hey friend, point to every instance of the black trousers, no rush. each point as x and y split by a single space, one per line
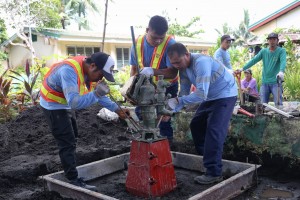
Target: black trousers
63 126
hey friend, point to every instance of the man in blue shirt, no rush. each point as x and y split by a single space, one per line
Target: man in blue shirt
217 92
152 59
222 53
67 87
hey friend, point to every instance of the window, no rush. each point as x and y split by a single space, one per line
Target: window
122 57
81 51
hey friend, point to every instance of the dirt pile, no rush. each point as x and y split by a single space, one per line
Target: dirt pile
28 150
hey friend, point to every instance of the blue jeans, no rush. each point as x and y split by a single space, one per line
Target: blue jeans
267 89
165 128
209 128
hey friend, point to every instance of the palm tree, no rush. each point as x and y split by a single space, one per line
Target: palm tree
77 10
242 34
226 30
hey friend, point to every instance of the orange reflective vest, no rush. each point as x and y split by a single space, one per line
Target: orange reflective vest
51 95
157 54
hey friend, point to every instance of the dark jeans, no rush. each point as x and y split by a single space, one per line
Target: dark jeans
250 98
63 126
165 128
209 128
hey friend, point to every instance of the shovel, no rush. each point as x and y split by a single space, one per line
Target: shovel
241 96
279 83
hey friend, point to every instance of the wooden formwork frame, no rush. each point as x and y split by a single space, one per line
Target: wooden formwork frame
244 177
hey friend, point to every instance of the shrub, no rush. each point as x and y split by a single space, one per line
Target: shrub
121 77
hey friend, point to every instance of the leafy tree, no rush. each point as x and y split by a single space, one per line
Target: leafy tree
20 14
3 37
3 34
226 30
77 11
183 30
242 34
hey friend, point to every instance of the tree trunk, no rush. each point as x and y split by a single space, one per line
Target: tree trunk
104 26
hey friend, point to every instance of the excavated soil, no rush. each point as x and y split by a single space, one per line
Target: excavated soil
28 150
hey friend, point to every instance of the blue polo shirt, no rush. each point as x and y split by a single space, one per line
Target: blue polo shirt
211 79
224 57
148 51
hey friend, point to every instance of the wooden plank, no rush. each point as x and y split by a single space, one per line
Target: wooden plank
224 190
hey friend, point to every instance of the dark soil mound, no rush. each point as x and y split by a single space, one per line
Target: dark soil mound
28 150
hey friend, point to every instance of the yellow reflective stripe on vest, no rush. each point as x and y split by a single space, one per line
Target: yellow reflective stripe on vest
139 50
158 53
52 96
82 87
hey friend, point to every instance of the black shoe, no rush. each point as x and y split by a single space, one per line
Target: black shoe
206 179
80 182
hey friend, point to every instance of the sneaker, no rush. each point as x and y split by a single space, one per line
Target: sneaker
207 179
80 182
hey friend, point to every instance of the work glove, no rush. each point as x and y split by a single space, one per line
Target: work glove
280 75
172 103
148 71
123 113
101 89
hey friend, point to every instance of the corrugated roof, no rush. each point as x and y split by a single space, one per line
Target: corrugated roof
275 15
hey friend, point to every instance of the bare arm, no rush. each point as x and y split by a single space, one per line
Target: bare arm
133 70
169 73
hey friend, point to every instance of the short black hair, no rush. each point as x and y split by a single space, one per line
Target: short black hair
177 48
158 24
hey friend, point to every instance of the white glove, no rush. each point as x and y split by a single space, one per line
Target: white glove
172 103
148 71
280 75
101 89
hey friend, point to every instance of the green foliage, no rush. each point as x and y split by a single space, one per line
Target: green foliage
120 77
226 30
291 83
3 34
3 37
184 30
48 11
26 82
238 56
5 101
242 34
213 49
77 10
291 59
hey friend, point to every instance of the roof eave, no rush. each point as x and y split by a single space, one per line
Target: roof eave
274 15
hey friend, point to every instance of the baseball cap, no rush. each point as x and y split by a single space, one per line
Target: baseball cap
272 35
248 71
226 37
105 63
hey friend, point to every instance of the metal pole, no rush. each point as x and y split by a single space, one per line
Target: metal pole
29 30
134 48
105 23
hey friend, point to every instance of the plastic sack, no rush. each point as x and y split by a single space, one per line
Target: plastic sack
107 115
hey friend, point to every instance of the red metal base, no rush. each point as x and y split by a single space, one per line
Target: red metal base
150 169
